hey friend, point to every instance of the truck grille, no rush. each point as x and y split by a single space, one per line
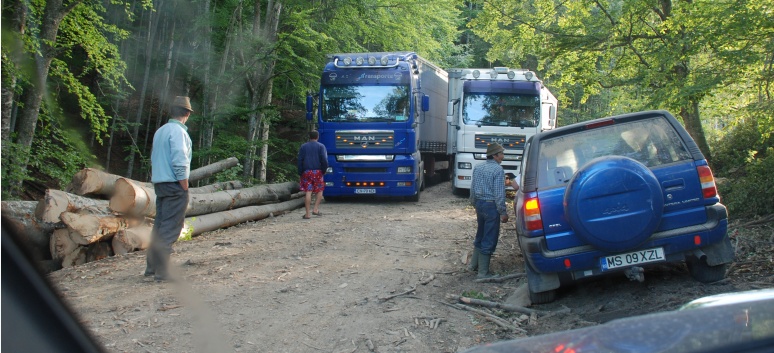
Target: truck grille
367 139
510 142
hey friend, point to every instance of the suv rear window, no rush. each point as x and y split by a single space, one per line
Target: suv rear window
652 142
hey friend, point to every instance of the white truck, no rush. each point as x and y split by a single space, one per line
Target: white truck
489 105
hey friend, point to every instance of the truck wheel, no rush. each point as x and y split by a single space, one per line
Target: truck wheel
414 198
704 273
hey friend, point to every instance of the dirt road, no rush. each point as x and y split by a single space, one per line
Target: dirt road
366 276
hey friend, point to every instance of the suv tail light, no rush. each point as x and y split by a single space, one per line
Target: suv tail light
708 188
532 214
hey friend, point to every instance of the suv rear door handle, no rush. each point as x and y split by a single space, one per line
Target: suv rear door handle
673 185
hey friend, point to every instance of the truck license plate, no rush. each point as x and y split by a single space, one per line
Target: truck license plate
632 258
365 191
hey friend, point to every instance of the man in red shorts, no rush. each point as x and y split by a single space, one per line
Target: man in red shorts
312 163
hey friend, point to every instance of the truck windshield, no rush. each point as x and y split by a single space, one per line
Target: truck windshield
498 109
365 103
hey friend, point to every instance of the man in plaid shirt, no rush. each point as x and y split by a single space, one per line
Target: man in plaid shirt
487 194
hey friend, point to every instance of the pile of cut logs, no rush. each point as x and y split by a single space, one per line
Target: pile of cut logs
101 214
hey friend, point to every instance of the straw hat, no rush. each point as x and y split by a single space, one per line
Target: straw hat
493 149
183 102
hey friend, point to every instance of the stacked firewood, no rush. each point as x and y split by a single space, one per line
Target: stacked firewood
101 214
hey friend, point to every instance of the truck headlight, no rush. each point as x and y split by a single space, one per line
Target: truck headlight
404 170
464 165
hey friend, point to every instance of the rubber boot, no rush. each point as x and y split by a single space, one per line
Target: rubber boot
161 257
473 263
483 266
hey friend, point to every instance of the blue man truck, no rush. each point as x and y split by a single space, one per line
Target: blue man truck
489 105
382 118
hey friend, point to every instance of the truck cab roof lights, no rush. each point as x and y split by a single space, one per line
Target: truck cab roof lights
511 75
493 74
528 75
352 61
476 73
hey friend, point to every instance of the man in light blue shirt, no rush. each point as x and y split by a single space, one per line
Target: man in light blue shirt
170 168
487 194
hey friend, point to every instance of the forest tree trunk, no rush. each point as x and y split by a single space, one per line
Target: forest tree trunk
32 99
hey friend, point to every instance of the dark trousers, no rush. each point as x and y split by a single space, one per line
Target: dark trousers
488 231
171 203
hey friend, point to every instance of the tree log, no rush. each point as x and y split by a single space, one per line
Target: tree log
55 202
226 185
90 181
61 244
138 238
131 239
234 199
212 169
224 219
136 200
19 217
88 228
133 199
75 258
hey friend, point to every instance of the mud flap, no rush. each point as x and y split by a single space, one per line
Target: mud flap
717 254
541 282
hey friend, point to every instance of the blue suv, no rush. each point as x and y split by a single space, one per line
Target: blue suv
615 195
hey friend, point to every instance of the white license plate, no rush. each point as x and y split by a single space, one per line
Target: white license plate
365 191
632 258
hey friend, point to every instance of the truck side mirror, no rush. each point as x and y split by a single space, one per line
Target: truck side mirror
309 107
425 103
450 112
552 116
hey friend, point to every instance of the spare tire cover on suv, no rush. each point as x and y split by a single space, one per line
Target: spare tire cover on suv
614 203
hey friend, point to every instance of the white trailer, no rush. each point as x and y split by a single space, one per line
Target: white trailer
500 105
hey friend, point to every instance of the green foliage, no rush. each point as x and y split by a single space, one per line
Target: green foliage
743 159
751 194
426 27
188 231
12 170
58 161
57 153
230 174
473 295
282 158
